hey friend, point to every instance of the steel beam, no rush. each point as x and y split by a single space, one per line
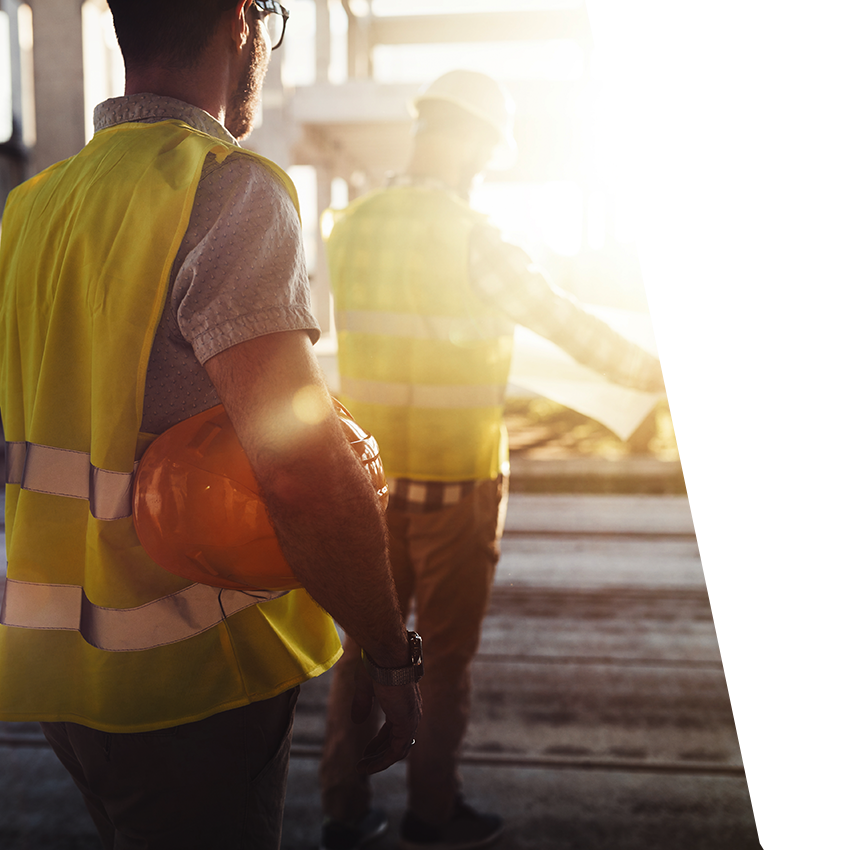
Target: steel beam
532 25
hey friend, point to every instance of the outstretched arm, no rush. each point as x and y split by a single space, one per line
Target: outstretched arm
503 275
322 505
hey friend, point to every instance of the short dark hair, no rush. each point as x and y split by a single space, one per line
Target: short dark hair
172 33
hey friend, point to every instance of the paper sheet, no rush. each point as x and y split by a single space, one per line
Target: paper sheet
540 367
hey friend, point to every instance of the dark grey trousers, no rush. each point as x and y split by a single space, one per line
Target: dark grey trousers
216 783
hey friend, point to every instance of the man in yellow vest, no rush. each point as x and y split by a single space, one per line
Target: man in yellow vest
426 296
155 274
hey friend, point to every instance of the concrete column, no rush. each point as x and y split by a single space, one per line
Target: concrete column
320 283
323 40
58 71
273 138
359 44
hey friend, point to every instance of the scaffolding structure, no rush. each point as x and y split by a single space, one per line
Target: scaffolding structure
350 126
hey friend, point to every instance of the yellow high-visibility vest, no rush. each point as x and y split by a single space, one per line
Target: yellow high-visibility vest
91 630
423 361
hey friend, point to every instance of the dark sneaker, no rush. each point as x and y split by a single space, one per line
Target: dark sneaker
466 830
338 836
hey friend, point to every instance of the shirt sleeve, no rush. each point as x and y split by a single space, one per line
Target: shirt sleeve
504 276
244 274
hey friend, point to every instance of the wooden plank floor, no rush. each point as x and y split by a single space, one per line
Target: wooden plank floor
600 712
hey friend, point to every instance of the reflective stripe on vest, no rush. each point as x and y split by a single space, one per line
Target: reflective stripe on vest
61 472
418 326
434 396
169 619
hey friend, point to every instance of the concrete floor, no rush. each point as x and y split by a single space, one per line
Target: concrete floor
600 715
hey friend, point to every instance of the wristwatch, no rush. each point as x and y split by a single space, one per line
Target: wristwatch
406 675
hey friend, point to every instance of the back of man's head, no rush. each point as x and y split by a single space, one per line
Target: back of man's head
169 33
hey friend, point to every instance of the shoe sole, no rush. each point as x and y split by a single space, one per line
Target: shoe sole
367 839
475 844
375 834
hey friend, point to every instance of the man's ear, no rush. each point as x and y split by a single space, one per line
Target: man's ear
240 28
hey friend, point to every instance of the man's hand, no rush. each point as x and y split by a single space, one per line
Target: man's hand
402 707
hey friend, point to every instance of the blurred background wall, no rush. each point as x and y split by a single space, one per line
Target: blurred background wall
335 114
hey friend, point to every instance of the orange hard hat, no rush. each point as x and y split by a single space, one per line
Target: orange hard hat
198 511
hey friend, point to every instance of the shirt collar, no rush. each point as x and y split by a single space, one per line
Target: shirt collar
149 108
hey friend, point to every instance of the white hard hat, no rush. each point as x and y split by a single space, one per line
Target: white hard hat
480 96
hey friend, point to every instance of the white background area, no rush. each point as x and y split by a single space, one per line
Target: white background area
735 138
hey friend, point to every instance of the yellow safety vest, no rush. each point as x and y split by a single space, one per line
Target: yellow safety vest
423 361
92 630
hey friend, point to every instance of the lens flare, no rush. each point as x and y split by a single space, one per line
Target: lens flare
310 405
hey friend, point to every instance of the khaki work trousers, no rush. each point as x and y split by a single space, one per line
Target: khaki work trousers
443 563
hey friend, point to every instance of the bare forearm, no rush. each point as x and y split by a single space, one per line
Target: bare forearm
321 502
331 529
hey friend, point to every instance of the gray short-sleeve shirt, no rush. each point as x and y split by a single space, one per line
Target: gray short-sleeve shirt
239 272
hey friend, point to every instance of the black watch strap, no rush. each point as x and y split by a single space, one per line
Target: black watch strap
406 675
